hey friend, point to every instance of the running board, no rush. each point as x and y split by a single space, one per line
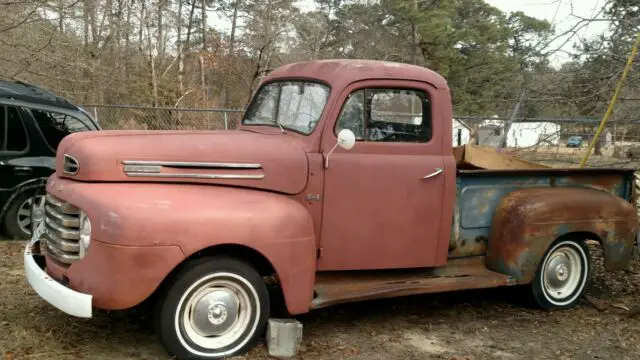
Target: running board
337 287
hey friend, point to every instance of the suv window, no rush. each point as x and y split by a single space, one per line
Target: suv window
55 126
389 115
13 136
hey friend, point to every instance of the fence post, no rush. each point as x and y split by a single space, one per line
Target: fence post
226 121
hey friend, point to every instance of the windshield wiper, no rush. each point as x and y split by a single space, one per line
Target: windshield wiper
280 126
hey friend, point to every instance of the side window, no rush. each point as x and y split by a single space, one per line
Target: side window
55 126
13 137
387 115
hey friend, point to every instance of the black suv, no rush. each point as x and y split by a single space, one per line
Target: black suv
32 123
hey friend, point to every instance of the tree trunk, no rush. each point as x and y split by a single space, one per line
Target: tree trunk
202 80
231 54
204 25
61 17
85 24
180 51
150 59
203 83
160 35
414 38
597 149
190 24
127 41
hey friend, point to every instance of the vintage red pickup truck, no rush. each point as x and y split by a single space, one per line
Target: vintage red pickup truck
341 181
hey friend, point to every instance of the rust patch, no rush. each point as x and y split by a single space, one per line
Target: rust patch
470 247
527 221
609 183
466 273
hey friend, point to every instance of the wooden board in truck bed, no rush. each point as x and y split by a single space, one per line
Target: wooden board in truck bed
473 157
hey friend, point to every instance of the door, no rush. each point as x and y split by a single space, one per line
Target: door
16 170
16 167
383 198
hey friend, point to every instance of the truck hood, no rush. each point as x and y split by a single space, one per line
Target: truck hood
236 158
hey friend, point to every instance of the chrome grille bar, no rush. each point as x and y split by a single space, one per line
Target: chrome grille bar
63 219
62 235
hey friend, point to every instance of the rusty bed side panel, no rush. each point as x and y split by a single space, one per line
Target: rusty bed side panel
527 221
479 193
349 286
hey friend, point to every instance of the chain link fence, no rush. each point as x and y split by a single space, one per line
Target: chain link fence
132 117
555 141
552 141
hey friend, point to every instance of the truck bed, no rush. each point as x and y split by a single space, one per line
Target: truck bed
479 193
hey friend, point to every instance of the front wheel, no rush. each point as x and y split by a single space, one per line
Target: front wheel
214 308
563 275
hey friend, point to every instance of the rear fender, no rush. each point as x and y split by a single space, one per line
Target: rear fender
528 221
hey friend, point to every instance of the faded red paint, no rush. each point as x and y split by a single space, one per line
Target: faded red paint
527 221
378 211
283 160
370 209
162 215
106 273
466 273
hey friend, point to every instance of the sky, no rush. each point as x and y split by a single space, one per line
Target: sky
562 15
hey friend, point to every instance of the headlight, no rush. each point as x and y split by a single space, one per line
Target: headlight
85 234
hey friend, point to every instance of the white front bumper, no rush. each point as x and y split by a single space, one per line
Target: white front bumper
71 302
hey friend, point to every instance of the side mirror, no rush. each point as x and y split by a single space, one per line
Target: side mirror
346 140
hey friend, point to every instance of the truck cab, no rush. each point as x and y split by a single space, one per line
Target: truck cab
340 182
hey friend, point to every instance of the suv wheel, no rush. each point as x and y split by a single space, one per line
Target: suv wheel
17 220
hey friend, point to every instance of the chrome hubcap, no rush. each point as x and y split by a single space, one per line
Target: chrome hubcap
215 312
562 273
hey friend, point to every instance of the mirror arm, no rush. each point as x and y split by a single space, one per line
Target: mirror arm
326 158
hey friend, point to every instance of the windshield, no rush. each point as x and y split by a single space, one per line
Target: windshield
294 105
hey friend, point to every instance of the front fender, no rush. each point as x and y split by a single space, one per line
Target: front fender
528 221
196 217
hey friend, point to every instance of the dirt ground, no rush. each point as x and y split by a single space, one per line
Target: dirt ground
488 324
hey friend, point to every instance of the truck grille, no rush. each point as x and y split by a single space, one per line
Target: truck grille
62 235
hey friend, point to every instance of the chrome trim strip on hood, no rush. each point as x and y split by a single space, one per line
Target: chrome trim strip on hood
143 168
196 176
187 164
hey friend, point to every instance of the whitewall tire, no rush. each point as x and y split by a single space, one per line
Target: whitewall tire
563 275
214 308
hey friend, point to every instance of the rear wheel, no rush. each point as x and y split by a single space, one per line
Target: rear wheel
563 275
214 308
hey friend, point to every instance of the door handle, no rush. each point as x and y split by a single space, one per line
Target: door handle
437 172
